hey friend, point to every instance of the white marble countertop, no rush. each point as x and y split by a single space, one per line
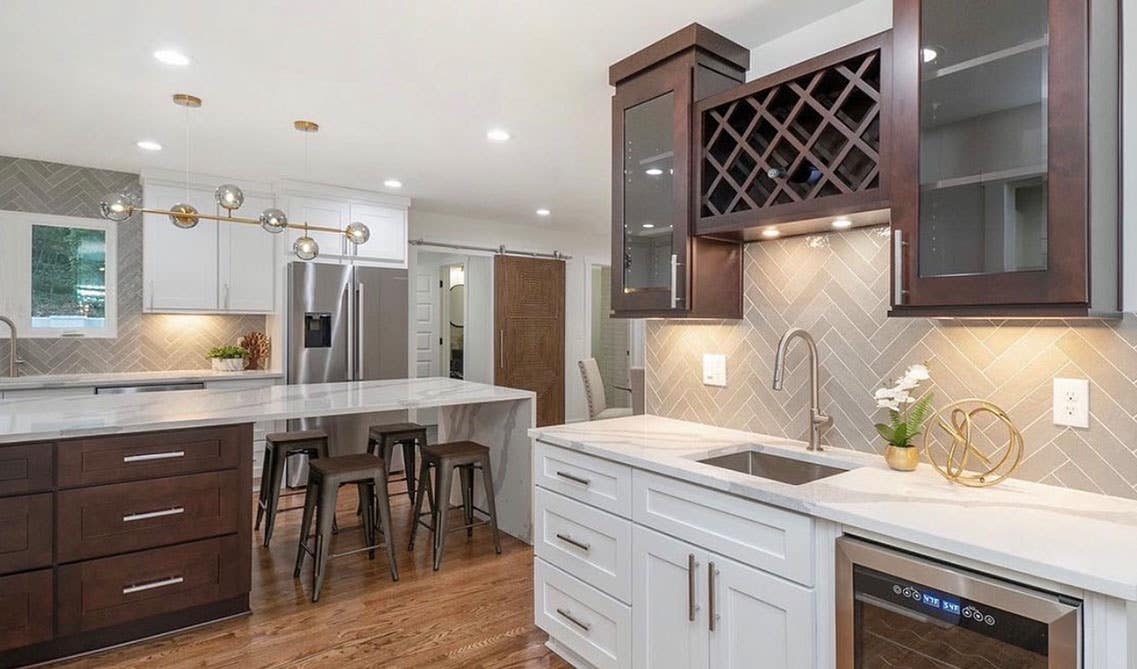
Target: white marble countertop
1080 539
38 418
45 381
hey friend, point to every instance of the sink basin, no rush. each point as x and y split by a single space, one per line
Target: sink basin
769 466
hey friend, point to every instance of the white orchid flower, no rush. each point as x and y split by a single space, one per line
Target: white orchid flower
918 373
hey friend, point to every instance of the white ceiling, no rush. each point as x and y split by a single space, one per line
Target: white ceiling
400 89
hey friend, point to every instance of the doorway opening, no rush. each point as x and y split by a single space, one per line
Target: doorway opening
610 340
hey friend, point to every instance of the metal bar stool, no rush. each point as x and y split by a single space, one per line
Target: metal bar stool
466 456
279 446
325 476
382 439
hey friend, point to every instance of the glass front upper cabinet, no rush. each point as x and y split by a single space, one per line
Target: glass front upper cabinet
996 160
649 197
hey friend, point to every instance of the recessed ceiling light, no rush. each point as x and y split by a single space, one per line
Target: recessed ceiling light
653 171
842 223
648 226
149 145
171 57
393 183
498 135
929 54
543 212
771 233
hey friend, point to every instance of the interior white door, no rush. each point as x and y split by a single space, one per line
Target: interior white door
425 317
247 258
669 622
758 615
179 265
388 242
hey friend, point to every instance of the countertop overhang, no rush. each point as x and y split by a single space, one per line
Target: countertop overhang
49 381
36 419
1080 539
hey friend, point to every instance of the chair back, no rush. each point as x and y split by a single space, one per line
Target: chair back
593 387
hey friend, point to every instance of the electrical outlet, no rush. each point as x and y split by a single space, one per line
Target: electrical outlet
714 369
1072 402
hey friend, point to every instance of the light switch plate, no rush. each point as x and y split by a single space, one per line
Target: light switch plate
714 369
1072 402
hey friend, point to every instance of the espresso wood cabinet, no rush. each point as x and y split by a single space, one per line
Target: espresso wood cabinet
660 269
1005 170
106 540
800 146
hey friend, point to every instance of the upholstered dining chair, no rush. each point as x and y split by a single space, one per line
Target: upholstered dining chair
594 392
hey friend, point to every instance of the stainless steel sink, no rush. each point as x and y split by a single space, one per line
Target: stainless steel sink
776 467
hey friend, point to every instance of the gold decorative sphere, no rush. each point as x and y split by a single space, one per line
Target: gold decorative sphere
973 443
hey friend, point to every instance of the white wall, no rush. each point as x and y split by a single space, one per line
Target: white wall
870 17
576 242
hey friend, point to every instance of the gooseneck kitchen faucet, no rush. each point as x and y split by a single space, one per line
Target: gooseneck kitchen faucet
817 420
13 361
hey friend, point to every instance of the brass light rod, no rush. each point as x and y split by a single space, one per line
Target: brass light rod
232 219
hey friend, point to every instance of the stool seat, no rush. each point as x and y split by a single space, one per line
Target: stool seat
455 449
344 467
396 430
294 437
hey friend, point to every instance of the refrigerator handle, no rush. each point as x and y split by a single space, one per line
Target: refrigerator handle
349 309
359 324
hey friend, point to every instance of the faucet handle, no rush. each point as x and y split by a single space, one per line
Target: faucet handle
819 418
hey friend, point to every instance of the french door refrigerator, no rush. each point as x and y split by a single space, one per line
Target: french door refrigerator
345 323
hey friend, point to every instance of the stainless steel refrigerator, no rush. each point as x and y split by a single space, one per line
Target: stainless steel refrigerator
345 323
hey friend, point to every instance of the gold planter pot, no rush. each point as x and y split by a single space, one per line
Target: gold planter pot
902 458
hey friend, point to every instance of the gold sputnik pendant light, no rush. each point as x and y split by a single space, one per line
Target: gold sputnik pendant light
120 206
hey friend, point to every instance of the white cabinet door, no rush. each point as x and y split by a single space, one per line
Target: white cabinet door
179 265
247 258
388 242
758 615
322 212
669 586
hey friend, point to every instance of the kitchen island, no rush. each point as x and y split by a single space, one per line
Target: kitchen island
126 516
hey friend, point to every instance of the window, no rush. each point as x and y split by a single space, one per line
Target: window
57 275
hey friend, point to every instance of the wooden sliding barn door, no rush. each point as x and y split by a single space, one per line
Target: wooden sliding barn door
529 319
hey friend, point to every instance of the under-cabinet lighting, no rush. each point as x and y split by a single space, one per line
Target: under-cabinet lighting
842 224
771 233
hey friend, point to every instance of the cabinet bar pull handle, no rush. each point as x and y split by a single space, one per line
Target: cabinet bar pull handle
173 511
898 245
674 280
569 540
501 348
152 584
574 479
574 620
167 455
359 316
345 299
691 606
711 595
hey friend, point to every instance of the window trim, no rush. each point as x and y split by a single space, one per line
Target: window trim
16 273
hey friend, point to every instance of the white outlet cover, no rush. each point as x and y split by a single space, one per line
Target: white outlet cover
714 369
1072 402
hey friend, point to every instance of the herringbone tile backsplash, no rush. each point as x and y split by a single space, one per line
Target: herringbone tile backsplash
836 286
144 342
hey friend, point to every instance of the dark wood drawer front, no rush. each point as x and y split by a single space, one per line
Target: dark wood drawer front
25 609
93 461
26 468
110 519
110 591
25 539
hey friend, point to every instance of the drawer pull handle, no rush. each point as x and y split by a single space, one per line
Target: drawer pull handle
692 607
574 620
172 511
139 587
145 457
574 479
569 540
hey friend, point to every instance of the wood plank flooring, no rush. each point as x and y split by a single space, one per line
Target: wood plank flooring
476 612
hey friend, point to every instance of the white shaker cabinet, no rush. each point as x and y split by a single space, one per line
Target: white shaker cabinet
321 212
388 242
335 207
179 265
247 257
669 619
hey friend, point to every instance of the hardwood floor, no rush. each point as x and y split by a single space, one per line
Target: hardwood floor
476 612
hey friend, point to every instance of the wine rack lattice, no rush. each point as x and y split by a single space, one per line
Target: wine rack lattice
814 136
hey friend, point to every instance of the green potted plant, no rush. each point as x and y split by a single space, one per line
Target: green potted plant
906 416
227 358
